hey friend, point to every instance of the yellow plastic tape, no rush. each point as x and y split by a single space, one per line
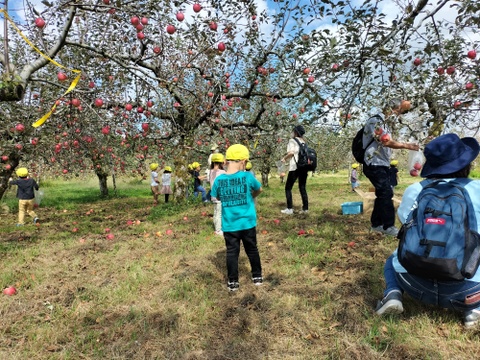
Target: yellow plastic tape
72 86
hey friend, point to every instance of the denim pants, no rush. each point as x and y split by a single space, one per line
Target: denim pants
446 294
383 211
301 175
232 242
201 190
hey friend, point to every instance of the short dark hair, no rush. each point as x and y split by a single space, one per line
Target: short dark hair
462 173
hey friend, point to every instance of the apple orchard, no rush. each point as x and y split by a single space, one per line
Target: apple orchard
161 81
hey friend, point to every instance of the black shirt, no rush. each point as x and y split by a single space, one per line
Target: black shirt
25 188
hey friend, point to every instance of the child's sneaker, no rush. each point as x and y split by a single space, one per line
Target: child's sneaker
287 211
472 318
390 304
257 281
18 225
35 220
233 285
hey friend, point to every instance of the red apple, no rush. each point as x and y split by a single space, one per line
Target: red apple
221 46
18 146
106 130
413 172
157 50
19 127
176 105
65 171
469 85
311 79
4 158
417 166
472 54
450 70
276 221
197 7
8 167
128 107
180 16
170 29
98 102
40 23
34 141
139 27
385 138
149 103
61 76
213 26
140 110
107 230
440 70
145 126
75 229
144 20
306 71
169 232
135 21
301 232
185 218
10 291
140 36
335 67
91 84
457 104
110 236
417 62
106 2
378 131
351 244
76 102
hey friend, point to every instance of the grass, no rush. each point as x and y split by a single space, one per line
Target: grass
148 295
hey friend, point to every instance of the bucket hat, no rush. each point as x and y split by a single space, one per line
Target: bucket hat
448 154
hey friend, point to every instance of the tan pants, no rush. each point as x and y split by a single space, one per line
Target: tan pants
25 206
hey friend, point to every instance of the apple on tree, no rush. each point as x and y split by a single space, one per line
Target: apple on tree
197 7
417 62
170 29
180 16
472 54
40 23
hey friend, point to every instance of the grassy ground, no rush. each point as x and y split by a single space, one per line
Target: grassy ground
148 295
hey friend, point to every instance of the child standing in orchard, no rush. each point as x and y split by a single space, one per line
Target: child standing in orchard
393 171
197 181
216 169
166 183
236 190
26 195
354 177
154 182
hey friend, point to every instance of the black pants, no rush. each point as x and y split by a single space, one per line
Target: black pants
383 211
301 175
232 242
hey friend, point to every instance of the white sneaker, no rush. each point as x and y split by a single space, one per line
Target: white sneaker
303 212
287 211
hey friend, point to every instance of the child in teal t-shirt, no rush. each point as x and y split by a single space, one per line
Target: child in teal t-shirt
236 189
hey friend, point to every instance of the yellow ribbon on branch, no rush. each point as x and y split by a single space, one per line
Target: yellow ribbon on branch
72 86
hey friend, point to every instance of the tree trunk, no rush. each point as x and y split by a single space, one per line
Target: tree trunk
5 174
102 181
11 91
265 171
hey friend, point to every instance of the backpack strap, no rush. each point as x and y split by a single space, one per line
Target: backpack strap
300 145
373 137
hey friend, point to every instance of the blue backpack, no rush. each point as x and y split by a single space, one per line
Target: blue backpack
439 239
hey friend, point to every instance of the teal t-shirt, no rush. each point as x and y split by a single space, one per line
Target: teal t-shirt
235 193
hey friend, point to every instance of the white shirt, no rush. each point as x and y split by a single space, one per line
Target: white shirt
294 148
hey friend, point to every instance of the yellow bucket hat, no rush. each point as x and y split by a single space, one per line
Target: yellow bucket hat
217 158
22 172
237 152
354 166
153 166
168 168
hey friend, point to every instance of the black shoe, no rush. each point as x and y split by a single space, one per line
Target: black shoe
390 304
257 281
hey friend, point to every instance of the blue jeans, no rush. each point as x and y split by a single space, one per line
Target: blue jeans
232 242
383 211
201 190
446 294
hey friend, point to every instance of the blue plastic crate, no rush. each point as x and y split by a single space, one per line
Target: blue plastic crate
352 208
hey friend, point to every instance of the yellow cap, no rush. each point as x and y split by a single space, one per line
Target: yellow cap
195 165
237 152
153 166
190 166
248 166
22 172
168 168
394 162
354 166
217 158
